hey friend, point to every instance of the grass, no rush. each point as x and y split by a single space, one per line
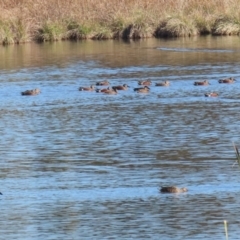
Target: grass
76 31
225 25
13 32
49 31
53 20
6 35
177 27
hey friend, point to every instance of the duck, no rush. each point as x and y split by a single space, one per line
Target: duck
203 83
1 193
212 94
91 88
227 80
102 90
103 83
144 89
145 82
111 91
32 92
163 84
173 189
121 87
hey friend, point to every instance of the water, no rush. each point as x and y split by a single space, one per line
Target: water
84 165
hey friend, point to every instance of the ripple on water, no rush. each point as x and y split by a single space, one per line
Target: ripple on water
90 165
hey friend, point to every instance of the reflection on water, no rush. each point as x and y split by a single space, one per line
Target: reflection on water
88 165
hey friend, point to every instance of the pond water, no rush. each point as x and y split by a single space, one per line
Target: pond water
86 165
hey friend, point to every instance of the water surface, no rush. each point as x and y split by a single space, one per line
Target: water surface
84 165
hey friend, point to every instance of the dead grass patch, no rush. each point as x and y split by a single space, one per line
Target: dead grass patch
225 25
176 27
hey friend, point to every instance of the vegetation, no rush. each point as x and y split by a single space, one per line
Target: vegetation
237 154
226 229
51 20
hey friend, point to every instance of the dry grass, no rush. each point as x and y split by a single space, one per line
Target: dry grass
50 20
226 26
176 27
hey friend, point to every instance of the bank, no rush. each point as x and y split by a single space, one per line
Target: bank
54 20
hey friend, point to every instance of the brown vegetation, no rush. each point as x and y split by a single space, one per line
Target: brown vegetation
51 20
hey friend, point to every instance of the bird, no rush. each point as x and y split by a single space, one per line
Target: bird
163 84
173 189
91 88
111 91
144 89
32 92
212 94
203 83
145 82
121 87
102 90
103 83
227 80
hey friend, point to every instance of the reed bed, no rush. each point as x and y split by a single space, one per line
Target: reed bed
53 20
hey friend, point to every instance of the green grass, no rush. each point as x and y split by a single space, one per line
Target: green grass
6 35
77 31
50 31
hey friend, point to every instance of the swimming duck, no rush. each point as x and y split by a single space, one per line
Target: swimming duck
144 89
123 87
212 94
32 92
227 80
163 84
91 88
102 90
103 83
172 189
145 82
111 91
203 83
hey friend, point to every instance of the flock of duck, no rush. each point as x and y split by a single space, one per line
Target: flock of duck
145 86
144 89
115 89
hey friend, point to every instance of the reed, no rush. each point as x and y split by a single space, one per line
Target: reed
226 229
237 154
6 36
52 20
13 32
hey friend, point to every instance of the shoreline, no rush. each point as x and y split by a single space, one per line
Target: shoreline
53 20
